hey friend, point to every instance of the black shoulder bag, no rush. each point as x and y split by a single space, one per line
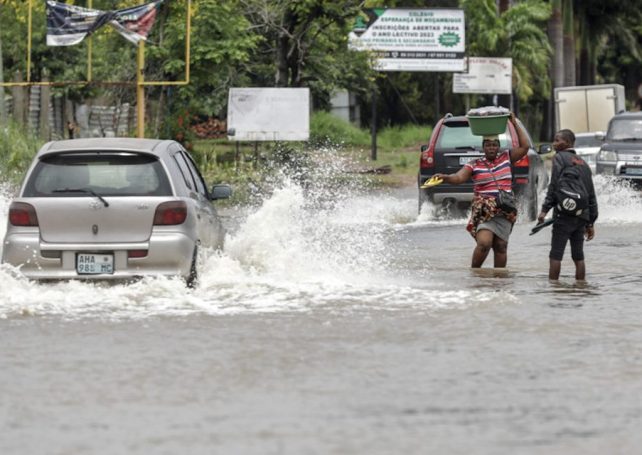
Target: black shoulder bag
506 201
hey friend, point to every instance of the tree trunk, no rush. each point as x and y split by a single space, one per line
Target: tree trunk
569 44
19 95
45 100
504 100
557 43
584 76
281 79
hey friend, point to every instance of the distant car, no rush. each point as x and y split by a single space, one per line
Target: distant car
112 208
587 145
621 153
453 144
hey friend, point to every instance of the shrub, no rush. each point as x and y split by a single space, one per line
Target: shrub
17 148
403 136
327 128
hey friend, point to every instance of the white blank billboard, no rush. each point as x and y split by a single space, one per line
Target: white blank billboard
268 114
486 75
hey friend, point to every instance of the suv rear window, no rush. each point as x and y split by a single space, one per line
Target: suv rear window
458 135
107 174
587 141
625 129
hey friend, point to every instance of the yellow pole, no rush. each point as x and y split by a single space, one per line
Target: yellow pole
89 48
29 43
188 32
140 90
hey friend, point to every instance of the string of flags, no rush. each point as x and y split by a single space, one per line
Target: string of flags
68 24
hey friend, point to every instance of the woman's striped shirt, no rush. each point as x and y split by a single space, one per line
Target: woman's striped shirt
483 180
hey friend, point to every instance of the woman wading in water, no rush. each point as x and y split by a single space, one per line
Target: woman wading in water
490 226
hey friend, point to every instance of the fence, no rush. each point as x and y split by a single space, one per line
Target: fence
55 117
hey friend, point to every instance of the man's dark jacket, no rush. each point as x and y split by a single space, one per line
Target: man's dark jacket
561 160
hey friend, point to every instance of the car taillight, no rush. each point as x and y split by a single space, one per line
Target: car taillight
22 214
136 253
169 213
522 163
427 159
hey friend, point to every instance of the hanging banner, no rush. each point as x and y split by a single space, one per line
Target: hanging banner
411 39
135 23
68 24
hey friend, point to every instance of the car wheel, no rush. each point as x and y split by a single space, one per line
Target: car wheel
192 279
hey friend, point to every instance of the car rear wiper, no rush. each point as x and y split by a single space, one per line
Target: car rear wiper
629 139
82 190
466 147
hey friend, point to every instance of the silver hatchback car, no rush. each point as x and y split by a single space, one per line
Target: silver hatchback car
112 208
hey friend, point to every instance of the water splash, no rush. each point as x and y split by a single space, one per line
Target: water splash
317 238
618 201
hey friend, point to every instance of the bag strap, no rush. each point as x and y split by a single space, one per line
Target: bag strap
492 175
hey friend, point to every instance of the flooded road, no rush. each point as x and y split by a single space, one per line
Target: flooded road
352 327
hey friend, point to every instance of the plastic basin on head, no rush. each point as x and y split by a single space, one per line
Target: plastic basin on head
487 124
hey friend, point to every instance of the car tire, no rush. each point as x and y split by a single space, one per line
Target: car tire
192 279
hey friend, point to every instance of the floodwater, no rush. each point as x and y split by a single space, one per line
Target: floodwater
351 326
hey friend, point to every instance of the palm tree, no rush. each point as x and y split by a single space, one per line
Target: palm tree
568 27
517 33
603 27
557 41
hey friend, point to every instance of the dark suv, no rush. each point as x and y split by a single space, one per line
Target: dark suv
452 145
621 152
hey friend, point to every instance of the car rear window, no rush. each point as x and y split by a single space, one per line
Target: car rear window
107 174
458 135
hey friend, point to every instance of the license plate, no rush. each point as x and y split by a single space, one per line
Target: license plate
465 159
634 170
92 264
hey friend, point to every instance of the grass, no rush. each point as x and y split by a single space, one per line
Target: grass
397 151
17 148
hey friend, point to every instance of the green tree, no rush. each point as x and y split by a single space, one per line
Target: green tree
610 30
305 44
517 33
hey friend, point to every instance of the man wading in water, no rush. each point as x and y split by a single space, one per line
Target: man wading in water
578 224
490 226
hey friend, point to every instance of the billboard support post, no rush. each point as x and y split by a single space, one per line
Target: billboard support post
373 127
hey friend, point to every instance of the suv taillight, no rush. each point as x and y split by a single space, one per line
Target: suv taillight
22 214
427 159
170 213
